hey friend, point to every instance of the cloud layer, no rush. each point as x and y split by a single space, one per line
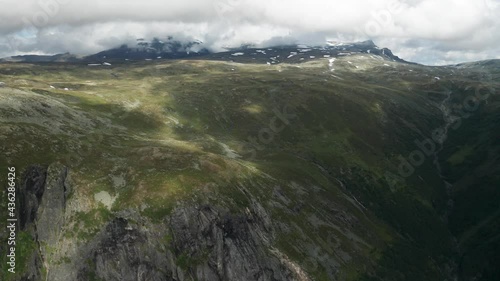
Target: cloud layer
425 31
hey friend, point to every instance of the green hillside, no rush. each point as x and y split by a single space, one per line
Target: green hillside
336 169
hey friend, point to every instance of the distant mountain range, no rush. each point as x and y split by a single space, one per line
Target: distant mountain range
175 49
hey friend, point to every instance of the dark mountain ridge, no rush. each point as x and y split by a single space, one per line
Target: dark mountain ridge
175 49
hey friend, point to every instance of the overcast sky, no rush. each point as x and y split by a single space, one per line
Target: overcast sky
431 32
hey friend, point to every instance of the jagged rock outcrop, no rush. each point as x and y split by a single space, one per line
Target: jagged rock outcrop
50 215
42 200
226 246
193 243
30 194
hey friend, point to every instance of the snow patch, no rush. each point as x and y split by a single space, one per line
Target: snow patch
333 43
175 120
104 198
131 105
228 152
330 64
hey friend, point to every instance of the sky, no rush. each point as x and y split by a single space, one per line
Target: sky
432 32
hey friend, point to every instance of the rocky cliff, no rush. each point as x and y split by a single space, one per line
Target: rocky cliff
193 243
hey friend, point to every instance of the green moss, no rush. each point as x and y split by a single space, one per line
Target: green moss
183 261
187 262
91 271
158 213
461 155
167 239
88 224
25 249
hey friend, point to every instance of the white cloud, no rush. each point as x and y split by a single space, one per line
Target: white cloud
427 31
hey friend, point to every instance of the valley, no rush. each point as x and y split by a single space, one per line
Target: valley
244 167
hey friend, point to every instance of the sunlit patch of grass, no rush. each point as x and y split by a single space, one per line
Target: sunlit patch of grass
253 108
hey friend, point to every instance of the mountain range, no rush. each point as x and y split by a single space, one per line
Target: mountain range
175 49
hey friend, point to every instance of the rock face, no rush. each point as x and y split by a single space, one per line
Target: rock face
30 195
42 196
233 246
193 243
50 215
